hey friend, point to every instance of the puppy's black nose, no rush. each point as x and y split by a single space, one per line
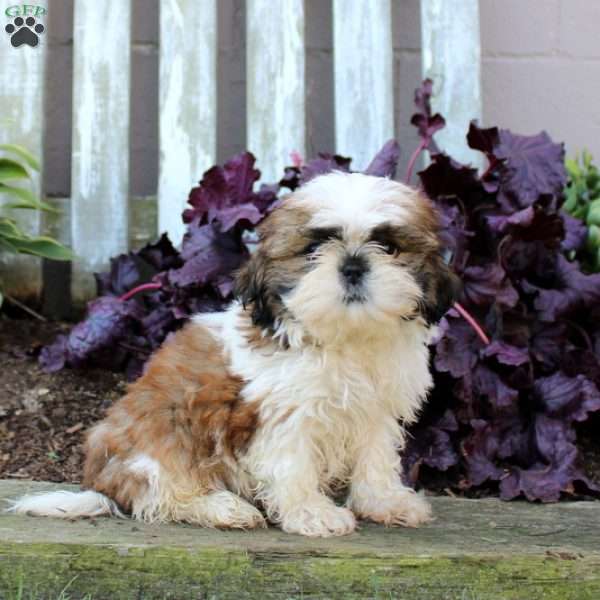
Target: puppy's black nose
353 269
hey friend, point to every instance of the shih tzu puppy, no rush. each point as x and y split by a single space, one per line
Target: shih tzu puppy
303 386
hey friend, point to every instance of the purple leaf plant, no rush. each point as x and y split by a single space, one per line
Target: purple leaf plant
503 416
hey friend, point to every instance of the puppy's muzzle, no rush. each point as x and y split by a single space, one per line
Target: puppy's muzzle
353 270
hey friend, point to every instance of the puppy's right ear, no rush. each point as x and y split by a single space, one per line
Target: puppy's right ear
252 290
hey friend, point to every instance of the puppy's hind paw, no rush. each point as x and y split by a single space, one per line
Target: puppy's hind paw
223 510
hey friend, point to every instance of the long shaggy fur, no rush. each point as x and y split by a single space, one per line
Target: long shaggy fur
300 389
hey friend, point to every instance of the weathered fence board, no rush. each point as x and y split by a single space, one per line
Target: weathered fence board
21 122
100 155
188 104
452 59
363 86
276 83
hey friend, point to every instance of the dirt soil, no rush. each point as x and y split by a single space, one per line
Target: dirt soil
43 416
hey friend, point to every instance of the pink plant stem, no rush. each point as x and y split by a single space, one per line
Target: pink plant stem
472 322
140 288
413 159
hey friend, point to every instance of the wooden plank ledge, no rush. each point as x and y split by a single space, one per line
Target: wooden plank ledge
475 549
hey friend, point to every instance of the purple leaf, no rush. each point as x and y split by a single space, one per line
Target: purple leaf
484 140
574 290
445 178
557 469
506 354
480 451
484 382
547 344
575 233
208 254
456 352
226 195
54 356
325 163
386 160
124 274
533 166
484 285
532 224
427 124
161 255
571 398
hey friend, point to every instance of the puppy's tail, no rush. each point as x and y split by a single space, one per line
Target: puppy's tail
66 505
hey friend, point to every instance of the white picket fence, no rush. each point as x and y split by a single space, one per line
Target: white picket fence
363 84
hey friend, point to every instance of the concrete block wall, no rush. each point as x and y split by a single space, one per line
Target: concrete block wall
540 70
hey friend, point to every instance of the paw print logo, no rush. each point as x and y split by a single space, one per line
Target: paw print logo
24 31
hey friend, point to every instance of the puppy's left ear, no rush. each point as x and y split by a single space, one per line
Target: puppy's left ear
252 290
441 288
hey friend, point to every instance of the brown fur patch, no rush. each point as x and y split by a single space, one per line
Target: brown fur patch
276 265
424 215
439 283
185 412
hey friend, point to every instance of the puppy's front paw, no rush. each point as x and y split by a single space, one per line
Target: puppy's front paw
319 521
405 508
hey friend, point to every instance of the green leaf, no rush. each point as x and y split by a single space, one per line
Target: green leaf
42 246
26 199
593 216
7 246
593 240
23 154
8 228
572 168
10 169
571 199
593 179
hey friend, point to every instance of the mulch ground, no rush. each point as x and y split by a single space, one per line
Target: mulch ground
43 416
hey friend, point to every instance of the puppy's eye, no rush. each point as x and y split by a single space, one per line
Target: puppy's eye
320 236
312 247
390 248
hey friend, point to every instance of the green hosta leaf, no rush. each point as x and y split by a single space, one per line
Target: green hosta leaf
571 199
572 168
6 246
11 170
8 228
23 154
593 180
581 212
593 215
593 239
42 246
26 199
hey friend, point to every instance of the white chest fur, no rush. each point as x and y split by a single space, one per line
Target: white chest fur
326 401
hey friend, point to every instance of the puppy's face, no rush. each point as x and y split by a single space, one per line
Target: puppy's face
347 252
